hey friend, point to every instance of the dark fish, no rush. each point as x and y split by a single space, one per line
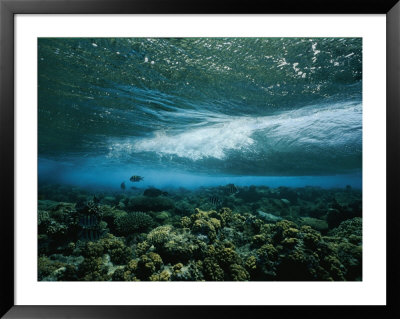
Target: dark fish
231 189
123 185
135 178
88 221
93 221
215 200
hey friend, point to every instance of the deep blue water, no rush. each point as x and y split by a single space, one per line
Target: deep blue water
200 111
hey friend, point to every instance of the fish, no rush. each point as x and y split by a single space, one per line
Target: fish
90 234
215 200
136 178
123 185
231 189
88 221
89 228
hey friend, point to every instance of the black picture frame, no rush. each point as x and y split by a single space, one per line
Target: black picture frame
8 8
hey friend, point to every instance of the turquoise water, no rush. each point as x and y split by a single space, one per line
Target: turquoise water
200 111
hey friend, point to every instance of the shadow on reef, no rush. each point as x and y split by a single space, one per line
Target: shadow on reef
254 233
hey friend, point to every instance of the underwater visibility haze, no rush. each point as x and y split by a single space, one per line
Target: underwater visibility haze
199 158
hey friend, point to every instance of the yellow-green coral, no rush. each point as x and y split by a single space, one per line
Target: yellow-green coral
239 273
290 232
297 255
215 222
132 265
177 250
311 237
349 227
159 236
226 256
199 214
211 250
285 224
93 269
177 267
258 240
47 267
156 258
93 249
163 276
268 251
206 223
126 273
206 227
225 215
334 267
147 265
141 248
211 270
251 263
115 247
186 222
120 255
290 242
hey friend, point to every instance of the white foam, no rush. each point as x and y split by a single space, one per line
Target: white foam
328 126
212 141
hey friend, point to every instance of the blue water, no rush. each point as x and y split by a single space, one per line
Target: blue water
200 111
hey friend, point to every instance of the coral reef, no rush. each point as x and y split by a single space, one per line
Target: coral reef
301 234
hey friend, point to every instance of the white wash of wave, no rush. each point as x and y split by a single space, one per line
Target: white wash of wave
311 128
211 141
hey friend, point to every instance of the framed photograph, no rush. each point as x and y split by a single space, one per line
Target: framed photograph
167 159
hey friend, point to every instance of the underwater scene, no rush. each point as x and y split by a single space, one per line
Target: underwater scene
199 159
